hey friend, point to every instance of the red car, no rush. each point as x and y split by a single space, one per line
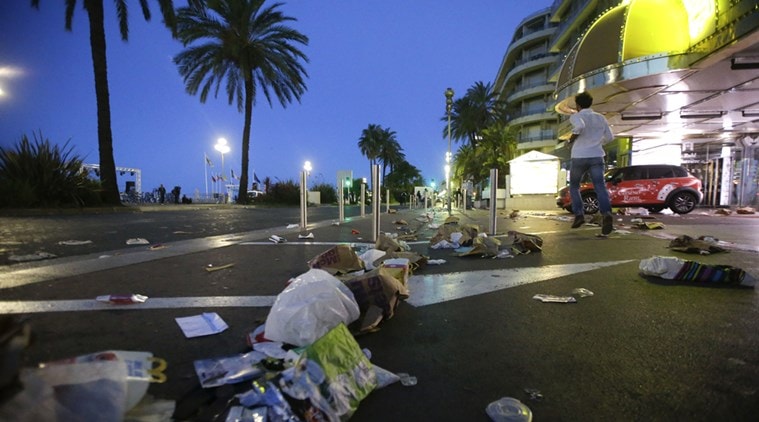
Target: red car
653 187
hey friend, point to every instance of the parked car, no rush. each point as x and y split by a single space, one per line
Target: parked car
653 187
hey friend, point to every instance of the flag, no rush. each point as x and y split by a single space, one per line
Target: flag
208 160
213 178
255 178
232 172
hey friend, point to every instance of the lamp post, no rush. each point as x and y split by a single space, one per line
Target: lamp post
223 148
304 194
448 108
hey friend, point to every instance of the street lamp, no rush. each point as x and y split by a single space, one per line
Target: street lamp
223 148
448 108
304 194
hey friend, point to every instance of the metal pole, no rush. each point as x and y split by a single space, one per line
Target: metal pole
387 201
205 171
448 157
363 199
375 202
303 201
341 200
493 198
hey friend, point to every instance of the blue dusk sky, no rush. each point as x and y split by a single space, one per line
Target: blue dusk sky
385 62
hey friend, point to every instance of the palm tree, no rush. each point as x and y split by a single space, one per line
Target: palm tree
247 46
476 110
391 151
370 143
94 8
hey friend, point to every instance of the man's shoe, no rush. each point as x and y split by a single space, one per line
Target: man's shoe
579 221
607 226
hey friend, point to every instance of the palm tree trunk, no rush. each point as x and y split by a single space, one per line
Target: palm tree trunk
249 93
110 190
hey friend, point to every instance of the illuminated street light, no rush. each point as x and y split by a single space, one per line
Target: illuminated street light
223 148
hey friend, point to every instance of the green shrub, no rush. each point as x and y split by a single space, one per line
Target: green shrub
281 193
39 174
328 193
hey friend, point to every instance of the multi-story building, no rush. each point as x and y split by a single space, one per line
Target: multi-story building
676 79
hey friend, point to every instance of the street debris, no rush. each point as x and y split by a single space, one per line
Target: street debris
74 242
98 386
533 394
582 292
508 409
673 268
554 299
137 241
523 243
215 372
745 210
406 379
201 325
309 307
210 268
157 246
37 256
436 261
306 236
277 239
338 260
293 226
122 299
651 225
703 245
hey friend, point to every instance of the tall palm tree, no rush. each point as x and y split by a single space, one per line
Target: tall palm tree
370 143
247 46
390 152
476 110
94 8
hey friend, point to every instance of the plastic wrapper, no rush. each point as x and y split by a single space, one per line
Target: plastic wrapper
310 306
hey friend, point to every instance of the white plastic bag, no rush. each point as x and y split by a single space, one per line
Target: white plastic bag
314 303
665 267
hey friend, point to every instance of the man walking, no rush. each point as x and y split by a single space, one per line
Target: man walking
590 132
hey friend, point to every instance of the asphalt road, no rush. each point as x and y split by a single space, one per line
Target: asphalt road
640 348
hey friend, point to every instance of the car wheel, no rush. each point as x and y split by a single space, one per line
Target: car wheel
682 202
655 210
590 203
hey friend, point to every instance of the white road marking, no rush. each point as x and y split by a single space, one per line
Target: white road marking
30 307
436 288
424 290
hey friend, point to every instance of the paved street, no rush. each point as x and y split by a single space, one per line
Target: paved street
640 348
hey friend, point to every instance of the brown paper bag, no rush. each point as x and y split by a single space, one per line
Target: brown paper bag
341 259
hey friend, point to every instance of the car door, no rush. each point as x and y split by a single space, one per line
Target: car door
628 186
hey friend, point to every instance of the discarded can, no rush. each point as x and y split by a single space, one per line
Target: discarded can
122 299
509 409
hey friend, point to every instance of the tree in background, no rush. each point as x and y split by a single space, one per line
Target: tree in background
248 47
370 143
475 111
94 9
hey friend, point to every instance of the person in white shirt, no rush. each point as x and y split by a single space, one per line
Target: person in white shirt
590 132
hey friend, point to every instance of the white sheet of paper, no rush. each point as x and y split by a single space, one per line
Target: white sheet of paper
201 325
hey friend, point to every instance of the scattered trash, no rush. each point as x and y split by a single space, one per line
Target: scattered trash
509 409
400 222
122 299
482 246
74 242
673 268
533 394
436 261
378 293
654 225
37 256
210 268
335 223
229 370
745 210
354 231
554 299
310 306
704 245
157 246
201 325
306 236
338 260
292 226
137 241
514 214
582 292
277 239
504 253
723 211
406 379
524 243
